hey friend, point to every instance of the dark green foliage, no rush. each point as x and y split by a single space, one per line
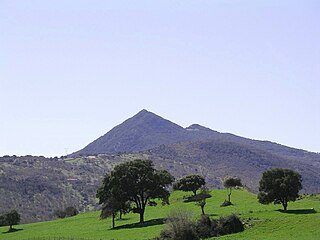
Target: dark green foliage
279 186
137 182
231 182
71 211
190 183
67 212
10 218
205 227
228 225
113 199
2 220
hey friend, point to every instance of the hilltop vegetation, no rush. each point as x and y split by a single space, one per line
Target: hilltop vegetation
261 221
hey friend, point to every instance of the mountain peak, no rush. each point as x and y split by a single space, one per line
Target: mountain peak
143 111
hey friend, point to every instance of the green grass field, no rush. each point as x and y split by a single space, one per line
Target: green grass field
264 222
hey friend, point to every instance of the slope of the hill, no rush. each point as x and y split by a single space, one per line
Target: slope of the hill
264 222
216 159
37 186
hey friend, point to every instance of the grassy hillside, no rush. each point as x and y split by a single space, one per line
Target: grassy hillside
264 222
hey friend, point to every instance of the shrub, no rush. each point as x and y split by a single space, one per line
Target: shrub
205 227
225 203
229 224
71 211
179 226
68 212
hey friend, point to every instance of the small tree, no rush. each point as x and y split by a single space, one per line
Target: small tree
201 198
229 183
11 218
279 186
190 183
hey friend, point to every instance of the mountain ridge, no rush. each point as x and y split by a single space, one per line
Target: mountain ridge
146 130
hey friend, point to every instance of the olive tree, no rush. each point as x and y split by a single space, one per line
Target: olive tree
280 186
190 183
229 183
11 218
137 182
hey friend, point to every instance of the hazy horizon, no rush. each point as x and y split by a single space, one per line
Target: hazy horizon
72 70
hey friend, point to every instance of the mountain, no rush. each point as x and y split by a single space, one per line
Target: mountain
143 131
198 147
147 130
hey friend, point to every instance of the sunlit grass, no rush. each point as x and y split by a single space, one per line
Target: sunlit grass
265 222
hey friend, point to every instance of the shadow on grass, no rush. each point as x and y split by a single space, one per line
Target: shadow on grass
153 222
123 219
13 230
213 215
300 211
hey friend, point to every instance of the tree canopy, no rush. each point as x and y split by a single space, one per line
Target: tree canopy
10 218
113 199
229 183
136 182
279 186
190 183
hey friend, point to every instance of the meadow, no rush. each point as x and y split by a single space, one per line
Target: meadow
301 221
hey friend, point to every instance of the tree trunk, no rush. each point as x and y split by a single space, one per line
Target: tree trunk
141 215
120 217
113 219
10 228
194 192
285 205
202 209
229 195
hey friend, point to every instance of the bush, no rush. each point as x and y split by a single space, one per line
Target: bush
225 203
179 226
205 227
228 225
68 212
71 211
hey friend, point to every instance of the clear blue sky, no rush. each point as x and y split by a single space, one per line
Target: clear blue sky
72 70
